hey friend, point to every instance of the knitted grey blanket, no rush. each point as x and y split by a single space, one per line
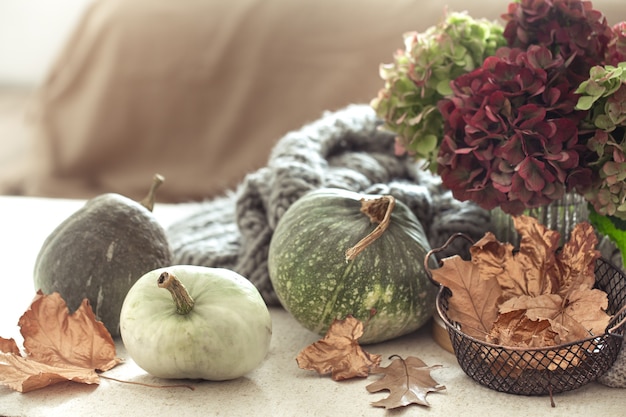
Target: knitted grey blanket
343 149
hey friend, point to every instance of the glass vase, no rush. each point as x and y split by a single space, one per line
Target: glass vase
560 215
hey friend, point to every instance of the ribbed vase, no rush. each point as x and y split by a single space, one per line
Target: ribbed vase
560 215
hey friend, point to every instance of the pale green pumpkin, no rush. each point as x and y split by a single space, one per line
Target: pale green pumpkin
216 328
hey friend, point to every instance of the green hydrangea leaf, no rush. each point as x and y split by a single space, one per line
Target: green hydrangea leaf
604 122
585 102
427 144
443 87
594 89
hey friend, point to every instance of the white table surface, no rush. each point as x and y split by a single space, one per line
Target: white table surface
277 388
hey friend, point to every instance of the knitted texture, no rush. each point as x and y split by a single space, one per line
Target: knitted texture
343 149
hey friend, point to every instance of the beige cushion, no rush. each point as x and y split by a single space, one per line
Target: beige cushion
200 90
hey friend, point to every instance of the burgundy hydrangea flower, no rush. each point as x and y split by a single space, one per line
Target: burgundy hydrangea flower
571 29
511 132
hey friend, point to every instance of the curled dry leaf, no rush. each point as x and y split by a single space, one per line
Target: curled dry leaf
408 381
59 346
536 256
339 352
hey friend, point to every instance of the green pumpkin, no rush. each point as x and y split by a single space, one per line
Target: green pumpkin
100 251
385 285
212 324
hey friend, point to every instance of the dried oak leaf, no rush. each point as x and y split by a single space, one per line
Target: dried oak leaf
59 346
474 300
339 352
408 381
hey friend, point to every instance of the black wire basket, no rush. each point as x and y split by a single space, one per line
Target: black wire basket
542 371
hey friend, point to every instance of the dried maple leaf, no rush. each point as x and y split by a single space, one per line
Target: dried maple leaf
495 260
537 255
9 346
339 352
408 381
24 375
576 318
474 300
532 270
515 329
60 346
53 336
547 297
577 259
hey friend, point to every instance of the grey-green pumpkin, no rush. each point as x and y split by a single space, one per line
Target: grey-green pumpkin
100 251
385 286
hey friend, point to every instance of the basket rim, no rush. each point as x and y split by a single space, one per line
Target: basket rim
450 326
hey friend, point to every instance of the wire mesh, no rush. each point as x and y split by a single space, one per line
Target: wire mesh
547 370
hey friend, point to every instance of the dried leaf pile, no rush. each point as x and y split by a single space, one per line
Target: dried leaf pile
532 298
59 346
340 355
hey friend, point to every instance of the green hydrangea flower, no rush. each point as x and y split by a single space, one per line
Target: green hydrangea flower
604 95
420 76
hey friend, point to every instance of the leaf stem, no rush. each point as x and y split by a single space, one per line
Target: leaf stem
148 385
379 211
184 302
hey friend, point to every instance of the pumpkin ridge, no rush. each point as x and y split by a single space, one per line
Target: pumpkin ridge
337 294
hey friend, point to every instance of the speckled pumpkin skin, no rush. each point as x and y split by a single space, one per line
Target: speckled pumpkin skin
316 284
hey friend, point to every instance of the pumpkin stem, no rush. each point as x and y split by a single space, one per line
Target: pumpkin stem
379 211
148 201
184 302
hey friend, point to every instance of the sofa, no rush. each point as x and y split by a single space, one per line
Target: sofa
201 90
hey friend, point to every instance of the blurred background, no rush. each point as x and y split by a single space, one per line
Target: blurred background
98 95
31 34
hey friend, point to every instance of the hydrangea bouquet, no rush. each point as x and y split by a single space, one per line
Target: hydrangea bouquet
516 116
